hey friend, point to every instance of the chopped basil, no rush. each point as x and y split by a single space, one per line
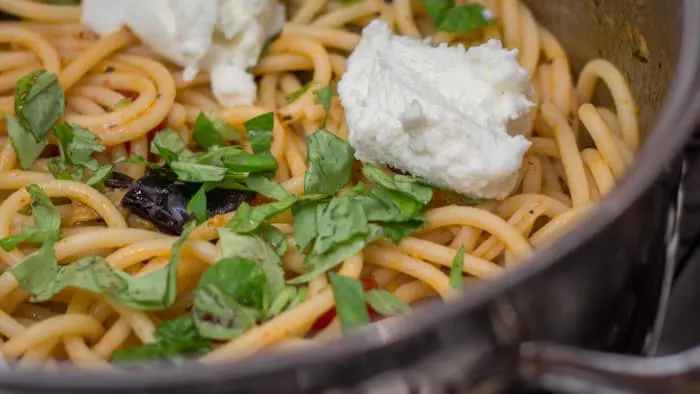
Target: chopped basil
386 303
24 144
43 277
259 131
174 340
255 249
193 172
281 301
463 19
212 130
409 186
350 302
305 219
39 102
197 206
248 219
330 163
456 278
274 237
323 97
229 299
76 146
47 222
294 96
266 187
169 145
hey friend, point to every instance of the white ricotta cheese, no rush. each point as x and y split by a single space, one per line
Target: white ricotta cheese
449 115
224 37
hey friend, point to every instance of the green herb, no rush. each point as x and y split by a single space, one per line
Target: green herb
41 276
212 130
463 19
280 303
330 162
259 131
229 298
294 96
39 102
169 145
76 146
305 219
122 103
323 97
99 176
197 206
47 222
24 144
274 237
174 339
247 219
386 303
301 296
255 249
192 172
341 219
409 186
396 231
473 201
350 302
456 279
266 187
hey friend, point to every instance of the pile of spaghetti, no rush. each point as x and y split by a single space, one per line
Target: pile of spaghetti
140 220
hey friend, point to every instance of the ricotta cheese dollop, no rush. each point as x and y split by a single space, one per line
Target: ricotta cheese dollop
224 37
452 116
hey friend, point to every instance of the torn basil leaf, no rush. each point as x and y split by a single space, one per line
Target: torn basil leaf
456 268
386 304
324 97
274 237
41 276
229 299
294 96
47 222
24 144
466 18
266 187
193 172
248 219
175 339
205 133
76 148
169 145
255 249
330 162
259 131
404 184
39 102
350 301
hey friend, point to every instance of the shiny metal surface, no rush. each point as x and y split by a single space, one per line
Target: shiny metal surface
582 291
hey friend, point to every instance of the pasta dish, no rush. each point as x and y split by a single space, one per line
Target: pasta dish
160 205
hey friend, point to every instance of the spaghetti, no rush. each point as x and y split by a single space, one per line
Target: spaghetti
564 175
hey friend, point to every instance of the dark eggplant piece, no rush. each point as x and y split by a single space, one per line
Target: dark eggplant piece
119 181
160 198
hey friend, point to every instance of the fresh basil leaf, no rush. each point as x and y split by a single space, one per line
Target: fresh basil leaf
337 255
99 176
342 219
350 304
305 222
174 339
410 186
169 145
246 162
324 97
205 133
238 277
397 231
301 296
197 206
39 102
41 276
259 131
386 303
280 302
219 316
438 9
77 145
456 278
465 19
122 103
330 162
24 144
266 187
294 96
275 238
248 219
224 129
47 222
193 172
255 249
